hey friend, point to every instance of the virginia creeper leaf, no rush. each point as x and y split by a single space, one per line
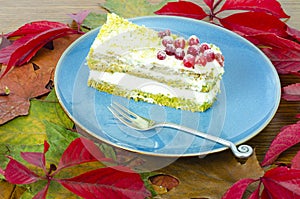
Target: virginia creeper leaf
284 53
238 189
296 161
42 194
270 6
246 23
291 92
23 49
282 182
36 158
36 27
17 173
81 150
287 137
116 182
294 33
182 8
209 3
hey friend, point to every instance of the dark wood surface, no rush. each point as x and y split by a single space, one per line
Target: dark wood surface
15 13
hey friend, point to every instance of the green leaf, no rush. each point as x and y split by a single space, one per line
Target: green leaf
59 139
132 8
92 21
27 133
30 130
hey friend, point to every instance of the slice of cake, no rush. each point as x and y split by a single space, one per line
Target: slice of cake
154 66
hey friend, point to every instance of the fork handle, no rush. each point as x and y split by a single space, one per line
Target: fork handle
243 151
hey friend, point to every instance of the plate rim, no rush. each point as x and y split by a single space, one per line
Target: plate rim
94 136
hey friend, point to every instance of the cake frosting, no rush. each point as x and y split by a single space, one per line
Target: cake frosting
148 65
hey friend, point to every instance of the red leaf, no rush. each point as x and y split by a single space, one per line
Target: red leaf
294 33
255 193
80 16
36 27
296 161
81 150
279 50
17 173
282 182
238 189
117 182
246 23
288 136
42 194
209 3
36 158
270 6
182 8
23 49
291 92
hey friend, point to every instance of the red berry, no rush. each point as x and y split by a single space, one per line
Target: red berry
204 47
161 55
163 33
179 53
189 61
201 60
193 50
170 49
193 40
220 58
167 40
179 42
210 55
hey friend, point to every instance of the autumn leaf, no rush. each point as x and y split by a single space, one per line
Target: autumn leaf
245 23
132 8
25 87
209 177
270 6
295 164
17 173
282 182
238 189
291 92
92 21
112 182
182 8
80 151
22 89
33 37
29 132
287 137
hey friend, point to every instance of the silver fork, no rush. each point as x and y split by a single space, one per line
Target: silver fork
140 123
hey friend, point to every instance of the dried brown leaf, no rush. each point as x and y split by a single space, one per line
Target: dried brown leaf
209 177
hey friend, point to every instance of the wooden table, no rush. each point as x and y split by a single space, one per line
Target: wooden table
15 13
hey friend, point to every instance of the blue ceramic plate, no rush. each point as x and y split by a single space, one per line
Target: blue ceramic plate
249 98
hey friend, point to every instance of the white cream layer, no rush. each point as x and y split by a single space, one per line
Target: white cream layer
130 82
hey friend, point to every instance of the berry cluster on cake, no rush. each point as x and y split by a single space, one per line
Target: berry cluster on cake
155 66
